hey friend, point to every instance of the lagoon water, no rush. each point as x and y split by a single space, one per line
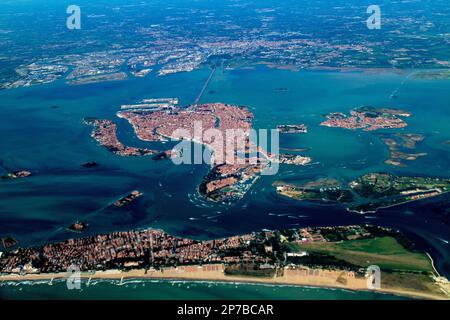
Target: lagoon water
53 142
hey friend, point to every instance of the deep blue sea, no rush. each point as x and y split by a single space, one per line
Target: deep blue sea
53 142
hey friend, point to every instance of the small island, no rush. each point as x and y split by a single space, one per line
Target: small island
368 119
78 226
293 159
91 164
133 195
8 242
292 128
398 144
16 175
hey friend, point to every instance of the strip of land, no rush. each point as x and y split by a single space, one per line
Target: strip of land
321 256
368 193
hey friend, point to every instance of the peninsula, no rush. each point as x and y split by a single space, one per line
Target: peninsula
105 133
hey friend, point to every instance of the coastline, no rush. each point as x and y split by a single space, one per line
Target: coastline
319 278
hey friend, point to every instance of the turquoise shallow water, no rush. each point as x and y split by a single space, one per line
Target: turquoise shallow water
180 290
52 143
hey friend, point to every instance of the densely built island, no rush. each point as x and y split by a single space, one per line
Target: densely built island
368 118
161 119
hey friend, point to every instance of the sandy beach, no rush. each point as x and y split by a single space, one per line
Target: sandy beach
301 277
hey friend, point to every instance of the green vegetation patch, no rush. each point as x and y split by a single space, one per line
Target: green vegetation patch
385 252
